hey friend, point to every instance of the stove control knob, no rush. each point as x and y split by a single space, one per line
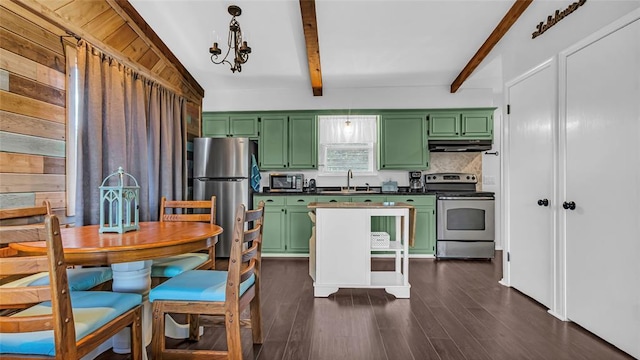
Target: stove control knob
468 177
473 178
569 205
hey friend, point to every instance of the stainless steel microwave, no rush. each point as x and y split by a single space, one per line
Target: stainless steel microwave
286 182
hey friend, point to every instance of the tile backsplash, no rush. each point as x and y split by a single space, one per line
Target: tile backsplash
464 162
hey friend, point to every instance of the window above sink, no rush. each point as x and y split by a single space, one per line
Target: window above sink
347 142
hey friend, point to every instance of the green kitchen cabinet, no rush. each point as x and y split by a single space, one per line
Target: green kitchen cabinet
303 142
452 125
273 234
219 125
477 125
299 224
287 226
403 142
288 142
274 142
243 126
215 125
425 232
336 198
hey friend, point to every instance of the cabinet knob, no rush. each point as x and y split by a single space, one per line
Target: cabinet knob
543 202
569 205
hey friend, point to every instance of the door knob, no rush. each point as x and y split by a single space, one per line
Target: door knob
543 202
569 205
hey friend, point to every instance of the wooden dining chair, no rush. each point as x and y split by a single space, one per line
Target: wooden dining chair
64 324
217 292
185 210
14 223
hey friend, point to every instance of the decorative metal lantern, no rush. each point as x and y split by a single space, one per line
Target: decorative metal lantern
119 209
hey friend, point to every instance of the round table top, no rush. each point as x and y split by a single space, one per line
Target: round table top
84 245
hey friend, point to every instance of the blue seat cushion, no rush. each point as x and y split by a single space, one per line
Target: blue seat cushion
174 265
79 278
197 285
91 310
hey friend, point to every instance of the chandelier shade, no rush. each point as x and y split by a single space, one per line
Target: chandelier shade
241 49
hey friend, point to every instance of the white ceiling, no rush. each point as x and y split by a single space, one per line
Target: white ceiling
363 44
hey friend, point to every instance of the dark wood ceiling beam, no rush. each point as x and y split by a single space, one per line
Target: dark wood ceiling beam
310 26
505 24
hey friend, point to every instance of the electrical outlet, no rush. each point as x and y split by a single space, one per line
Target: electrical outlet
489 180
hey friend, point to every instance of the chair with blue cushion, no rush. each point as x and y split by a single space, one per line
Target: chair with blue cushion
216 292
187 210
15 221
64 324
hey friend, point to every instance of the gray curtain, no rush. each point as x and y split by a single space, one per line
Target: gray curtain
129 121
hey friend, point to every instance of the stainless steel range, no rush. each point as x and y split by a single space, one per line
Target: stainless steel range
465 217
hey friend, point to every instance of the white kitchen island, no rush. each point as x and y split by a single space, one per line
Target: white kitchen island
343 248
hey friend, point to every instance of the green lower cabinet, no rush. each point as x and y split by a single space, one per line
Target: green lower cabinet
287 226
299 229
425 235
273 234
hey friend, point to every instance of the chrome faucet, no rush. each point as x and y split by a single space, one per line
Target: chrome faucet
349 176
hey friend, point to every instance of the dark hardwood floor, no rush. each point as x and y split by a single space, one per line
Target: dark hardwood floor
457 310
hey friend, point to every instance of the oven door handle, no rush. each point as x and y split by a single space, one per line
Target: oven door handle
466 198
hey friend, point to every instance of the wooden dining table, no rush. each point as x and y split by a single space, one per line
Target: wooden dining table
130 256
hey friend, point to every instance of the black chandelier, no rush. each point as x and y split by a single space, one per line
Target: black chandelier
240 48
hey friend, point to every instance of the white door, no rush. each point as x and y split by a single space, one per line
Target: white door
603 180
530 179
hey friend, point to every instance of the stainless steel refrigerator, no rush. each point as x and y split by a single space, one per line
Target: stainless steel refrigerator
222 167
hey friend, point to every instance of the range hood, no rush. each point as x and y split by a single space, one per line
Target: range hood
459 145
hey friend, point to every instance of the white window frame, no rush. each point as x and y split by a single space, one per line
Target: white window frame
370 146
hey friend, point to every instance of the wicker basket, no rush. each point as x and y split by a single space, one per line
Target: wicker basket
379 240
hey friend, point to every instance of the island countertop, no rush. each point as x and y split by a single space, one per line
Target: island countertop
359 205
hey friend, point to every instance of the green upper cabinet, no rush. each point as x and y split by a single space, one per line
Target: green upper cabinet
303 146
220 125
477 124
243 126
403 142
450 125
288 142
274 142
215 125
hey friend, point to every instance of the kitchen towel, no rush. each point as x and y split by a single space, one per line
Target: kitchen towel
255 174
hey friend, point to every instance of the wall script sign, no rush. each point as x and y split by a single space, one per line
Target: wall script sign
553 19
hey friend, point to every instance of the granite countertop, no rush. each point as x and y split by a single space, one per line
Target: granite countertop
334 191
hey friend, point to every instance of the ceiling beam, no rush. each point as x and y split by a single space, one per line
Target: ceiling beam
310 26
509 19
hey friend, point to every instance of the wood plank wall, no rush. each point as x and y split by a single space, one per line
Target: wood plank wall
33 99
32 113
